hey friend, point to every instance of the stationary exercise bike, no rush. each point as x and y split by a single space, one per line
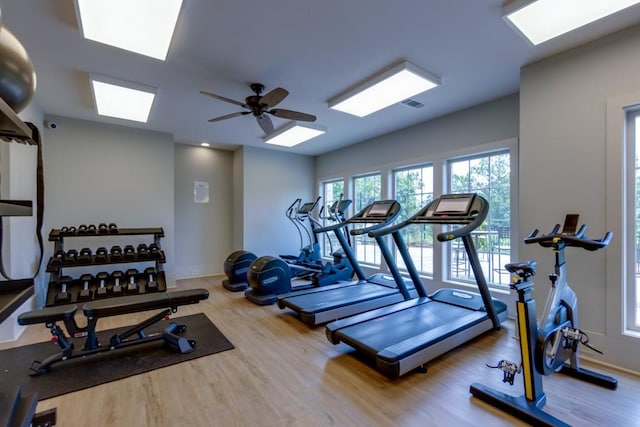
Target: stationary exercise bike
546 348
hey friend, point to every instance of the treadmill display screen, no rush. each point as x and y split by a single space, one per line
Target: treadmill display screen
454 205
380 209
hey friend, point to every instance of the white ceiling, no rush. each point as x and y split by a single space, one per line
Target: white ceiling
314 49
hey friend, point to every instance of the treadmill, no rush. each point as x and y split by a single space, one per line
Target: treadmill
321 305
406 335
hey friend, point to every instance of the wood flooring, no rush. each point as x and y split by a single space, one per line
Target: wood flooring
285 373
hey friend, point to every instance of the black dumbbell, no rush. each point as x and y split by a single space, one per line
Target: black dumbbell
72 231
129 253
85 256
117 277
132 285
71 257
101 292
154 251
116 253
82 229
143 251
101 254
91 229
152 283
103 228
58 258
85 293
64 295
113 229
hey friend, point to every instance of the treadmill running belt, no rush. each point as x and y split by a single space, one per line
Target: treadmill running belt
378 334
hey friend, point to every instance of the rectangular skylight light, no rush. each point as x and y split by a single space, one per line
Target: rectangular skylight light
294 133
142 26
122 102
542 20
389 87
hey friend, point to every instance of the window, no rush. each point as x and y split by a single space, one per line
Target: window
366 189
331 192
490 176
633 290
413 188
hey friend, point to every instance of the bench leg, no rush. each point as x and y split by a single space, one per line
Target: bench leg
178 343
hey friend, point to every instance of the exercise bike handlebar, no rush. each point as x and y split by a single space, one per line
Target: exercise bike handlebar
576 240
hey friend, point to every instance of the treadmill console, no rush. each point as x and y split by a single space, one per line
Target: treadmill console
452 209
454 205
378 212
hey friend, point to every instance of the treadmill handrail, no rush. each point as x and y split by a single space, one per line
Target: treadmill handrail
472 222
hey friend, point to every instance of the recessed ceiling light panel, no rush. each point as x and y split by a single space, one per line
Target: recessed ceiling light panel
389 87
294 133
542 20
142 26
122 100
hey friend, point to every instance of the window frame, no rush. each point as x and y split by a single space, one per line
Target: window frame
394 189
355 240
448 255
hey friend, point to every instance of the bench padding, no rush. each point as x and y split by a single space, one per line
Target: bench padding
48 314
143 302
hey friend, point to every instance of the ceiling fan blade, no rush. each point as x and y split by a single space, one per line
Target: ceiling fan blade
292 115
274 97
229 116
222 98
265 123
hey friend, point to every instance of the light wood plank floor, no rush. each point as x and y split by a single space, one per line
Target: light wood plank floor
284 373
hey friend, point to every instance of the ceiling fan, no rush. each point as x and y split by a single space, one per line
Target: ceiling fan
259 105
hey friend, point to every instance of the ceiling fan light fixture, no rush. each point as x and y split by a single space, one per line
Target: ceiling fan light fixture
142 26
122 100
541 20
388 87
294 133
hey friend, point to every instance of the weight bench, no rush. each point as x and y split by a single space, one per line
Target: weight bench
168 302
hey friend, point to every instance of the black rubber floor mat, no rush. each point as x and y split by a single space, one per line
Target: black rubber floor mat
77 374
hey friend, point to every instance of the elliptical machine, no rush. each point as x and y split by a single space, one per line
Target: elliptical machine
309 254
545 348
270 276
237 263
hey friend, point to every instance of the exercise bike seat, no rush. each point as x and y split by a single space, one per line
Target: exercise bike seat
48 314
522 268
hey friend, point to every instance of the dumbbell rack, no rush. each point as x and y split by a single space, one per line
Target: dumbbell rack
56 270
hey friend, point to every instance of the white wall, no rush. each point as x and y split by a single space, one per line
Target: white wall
105 173
272 180
563 155
489 122
203 235
238 199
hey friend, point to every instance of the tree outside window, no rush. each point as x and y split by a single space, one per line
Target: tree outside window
489 176
366 189
413 190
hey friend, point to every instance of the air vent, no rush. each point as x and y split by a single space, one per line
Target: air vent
412 103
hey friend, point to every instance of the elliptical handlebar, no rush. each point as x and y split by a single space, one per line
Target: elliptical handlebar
577 240
292 210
